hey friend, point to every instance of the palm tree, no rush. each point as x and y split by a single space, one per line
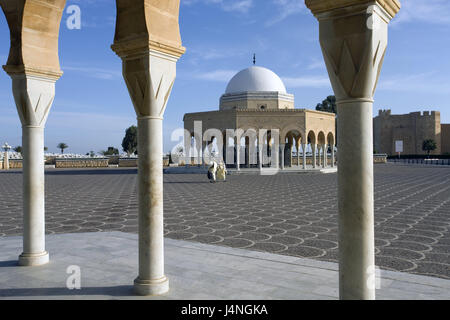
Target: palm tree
18 149
429 145
62 146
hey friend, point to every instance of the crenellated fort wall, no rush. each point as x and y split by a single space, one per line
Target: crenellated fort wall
412 129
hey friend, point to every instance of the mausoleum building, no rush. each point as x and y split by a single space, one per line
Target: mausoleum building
255 105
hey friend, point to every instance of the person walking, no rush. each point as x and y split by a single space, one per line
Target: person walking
212 172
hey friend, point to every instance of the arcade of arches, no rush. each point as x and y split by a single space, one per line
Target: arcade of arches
305 138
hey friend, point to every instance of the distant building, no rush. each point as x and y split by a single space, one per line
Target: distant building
256 99
410 131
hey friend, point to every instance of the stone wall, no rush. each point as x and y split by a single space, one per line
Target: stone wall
380 158
412 129
81 163
133 162
13 164
128 163
445 138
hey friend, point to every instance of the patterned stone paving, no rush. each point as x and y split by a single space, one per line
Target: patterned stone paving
290 214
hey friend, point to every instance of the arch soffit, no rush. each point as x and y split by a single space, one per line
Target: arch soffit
321 139
295 130
312 137
330 138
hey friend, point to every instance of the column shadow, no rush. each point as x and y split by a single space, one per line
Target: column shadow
114 291
8 264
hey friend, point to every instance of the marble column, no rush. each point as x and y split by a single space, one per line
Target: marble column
282 147
291 150
314 154
268 149
224 149
319 155
333 158
260 160
325 157
210 151
354 37
6 160
260 153
33 65
203 153
247 152
304 156
199 158
238 153
149 68
187 147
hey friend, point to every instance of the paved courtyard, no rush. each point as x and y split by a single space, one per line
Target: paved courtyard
290 214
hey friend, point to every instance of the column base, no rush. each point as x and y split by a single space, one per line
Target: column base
151 287
33 259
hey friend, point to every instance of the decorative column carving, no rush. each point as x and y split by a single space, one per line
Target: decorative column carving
33 65
148 41
354 37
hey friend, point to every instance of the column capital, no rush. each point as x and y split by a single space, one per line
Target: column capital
354 37
147 25
34 96
317 7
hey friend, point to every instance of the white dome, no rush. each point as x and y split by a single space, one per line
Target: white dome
255 79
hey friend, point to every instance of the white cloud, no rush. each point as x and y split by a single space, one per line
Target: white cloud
429 82
316 64
286 8
429 11
214 53
216 75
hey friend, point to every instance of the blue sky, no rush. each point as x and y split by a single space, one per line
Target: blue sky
92 108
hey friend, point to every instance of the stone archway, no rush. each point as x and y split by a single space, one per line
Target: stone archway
149 54
33 65
312 141
321 149
293 139
331 146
